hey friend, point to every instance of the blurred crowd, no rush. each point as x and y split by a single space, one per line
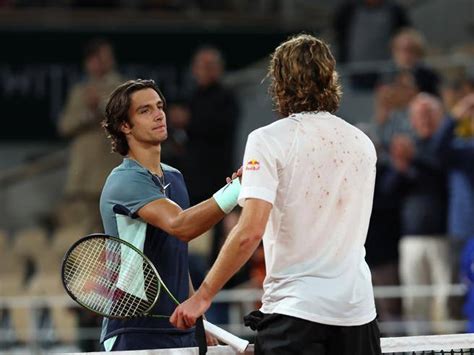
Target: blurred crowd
423 129
421 230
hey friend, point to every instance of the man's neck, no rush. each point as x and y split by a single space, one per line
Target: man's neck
148 157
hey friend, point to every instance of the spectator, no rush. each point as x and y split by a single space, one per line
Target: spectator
454 142
90 158
363 30
174 148
457 153
408 49
452 92
212 123
207 133
382 241
424 246
391 110
383 234
211 129
407 77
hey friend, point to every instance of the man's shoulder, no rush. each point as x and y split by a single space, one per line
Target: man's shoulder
126 171
274 138
127 182
273 129
78 87
170 169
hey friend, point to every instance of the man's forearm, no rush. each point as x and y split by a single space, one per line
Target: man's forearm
191 286
196 220
237 250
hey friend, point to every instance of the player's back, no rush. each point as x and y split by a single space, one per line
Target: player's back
314 240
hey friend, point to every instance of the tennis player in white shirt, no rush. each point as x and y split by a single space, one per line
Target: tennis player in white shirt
307 189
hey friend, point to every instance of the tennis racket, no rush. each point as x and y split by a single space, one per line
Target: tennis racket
113 278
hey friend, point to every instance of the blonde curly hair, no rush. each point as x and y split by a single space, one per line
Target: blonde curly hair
303 76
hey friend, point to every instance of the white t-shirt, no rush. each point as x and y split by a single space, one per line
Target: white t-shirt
318 172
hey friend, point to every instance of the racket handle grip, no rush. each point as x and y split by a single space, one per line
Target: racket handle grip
200 334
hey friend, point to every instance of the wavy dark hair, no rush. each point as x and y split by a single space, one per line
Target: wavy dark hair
116 111
303 76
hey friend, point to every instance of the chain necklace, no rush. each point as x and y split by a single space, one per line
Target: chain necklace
162 182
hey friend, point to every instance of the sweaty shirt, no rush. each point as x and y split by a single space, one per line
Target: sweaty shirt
318 172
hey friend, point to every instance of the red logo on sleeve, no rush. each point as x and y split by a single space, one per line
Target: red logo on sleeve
252 165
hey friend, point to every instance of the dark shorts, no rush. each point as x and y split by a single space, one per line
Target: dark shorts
145 341
280 334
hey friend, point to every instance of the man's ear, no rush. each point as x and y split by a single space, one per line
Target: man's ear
126 128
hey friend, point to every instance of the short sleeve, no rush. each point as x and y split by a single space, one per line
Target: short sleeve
260 170
129 191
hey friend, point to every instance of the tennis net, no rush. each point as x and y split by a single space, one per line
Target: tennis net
432 344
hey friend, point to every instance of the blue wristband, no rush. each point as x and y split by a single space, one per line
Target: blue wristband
227 196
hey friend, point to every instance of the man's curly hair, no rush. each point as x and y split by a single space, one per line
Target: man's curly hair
116 111
303 76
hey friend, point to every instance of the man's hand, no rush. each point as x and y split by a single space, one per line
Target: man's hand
236 174
211 340
92 97
185 315
464 108
402 151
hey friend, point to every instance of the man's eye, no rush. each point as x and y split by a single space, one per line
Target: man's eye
145 110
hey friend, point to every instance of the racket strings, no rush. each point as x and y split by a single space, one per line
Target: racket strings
86 275
137 305
111 279
130 299
113 261
132 304
82 266
102 285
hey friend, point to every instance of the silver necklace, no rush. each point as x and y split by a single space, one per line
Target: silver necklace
162 182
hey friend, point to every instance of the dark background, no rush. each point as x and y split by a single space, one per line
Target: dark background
37 67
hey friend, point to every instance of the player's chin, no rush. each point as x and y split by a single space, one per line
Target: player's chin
160 137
